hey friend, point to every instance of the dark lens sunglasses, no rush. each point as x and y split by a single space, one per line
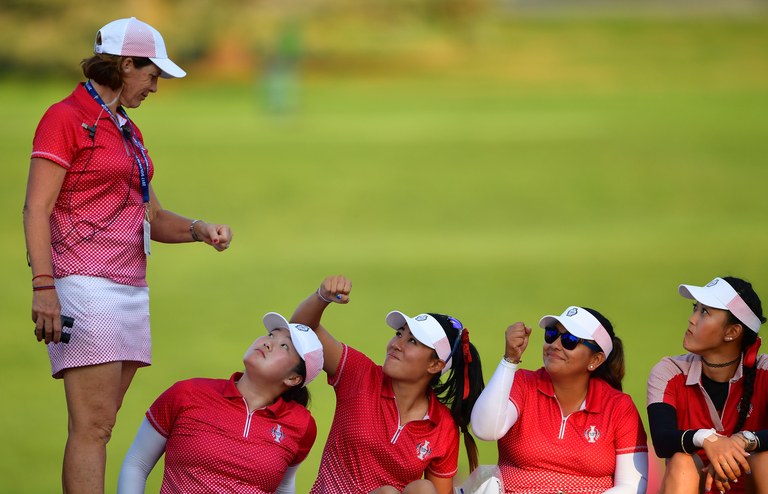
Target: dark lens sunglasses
567 340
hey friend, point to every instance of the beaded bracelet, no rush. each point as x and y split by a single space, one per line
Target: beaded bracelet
42 276
193 232
320 295
43 287
510 361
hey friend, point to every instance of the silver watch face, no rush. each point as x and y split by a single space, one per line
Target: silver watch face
749 436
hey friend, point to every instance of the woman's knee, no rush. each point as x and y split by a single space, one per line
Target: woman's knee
681 475
387 489
420 487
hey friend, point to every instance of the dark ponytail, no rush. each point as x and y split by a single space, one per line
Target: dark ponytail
451 392
298 393
612 370
749 338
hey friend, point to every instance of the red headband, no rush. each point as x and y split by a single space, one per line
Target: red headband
467 359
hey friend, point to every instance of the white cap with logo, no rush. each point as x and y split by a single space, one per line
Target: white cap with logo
719 294
427 330
580 323
304 340
134 38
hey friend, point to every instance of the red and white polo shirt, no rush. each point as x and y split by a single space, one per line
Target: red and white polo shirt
96 223
545 452
215 444
367 445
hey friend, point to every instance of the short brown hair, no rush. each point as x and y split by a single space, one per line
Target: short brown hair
105 69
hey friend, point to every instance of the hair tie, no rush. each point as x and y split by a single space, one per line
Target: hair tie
467 359
750 355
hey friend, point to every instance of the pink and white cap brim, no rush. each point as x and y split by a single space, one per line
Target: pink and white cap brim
719 294
427 330
580 323
133 38
305 341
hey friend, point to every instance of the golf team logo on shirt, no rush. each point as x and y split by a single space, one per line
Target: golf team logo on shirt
423 450
592 434
572 312
301 327
277 433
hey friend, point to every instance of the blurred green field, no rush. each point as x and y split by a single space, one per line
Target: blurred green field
631 160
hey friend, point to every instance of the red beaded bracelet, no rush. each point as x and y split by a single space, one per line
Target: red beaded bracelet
43 287
42 276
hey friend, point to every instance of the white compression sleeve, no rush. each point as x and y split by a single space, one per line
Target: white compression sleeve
288 484
631 476
148 446
493 414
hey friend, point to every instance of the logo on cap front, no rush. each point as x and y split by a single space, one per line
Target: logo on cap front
301 327
712 283
572 311
422 317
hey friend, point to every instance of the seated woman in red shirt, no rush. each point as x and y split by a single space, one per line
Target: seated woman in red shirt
707 408
393 430
245 434
566 427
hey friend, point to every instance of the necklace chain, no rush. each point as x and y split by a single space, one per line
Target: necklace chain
724 364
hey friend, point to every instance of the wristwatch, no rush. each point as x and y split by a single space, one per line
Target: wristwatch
750 439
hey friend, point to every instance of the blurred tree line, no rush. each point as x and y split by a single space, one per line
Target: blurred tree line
233 38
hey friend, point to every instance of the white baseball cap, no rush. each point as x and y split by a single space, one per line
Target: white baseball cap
719 294
427 330
304 340
580 323
134 38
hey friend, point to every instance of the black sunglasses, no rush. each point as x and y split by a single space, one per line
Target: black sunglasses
567 340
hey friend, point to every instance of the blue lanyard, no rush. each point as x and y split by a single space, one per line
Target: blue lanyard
128 135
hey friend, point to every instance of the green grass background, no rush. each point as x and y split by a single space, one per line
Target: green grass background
596 163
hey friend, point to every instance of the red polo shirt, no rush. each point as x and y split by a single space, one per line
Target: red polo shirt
545 452
215 444
676 381
368 447
96 223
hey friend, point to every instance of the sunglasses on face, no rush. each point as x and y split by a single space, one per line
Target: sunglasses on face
567 340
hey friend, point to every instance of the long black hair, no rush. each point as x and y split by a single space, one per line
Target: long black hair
463 383
748 294
612 370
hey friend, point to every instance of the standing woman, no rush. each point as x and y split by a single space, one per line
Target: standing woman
396 426
89 215
707 409
567 427
245 434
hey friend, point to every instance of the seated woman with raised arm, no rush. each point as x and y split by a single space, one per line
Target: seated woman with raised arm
567 427
396 426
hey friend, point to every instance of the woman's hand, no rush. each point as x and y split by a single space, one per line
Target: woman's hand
46 314
728 460
335 289
517 341
217 236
